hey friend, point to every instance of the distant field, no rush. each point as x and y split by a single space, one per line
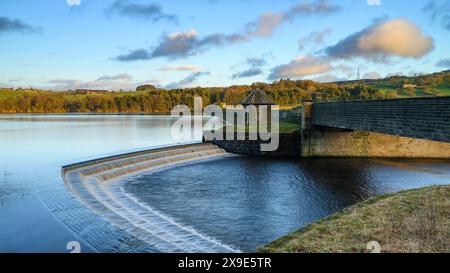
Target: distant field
444 88
8 93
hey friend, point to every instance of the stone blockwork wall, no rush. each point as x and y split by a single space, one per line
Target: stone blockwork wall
379 129
293 115
424 118
290 146
365 144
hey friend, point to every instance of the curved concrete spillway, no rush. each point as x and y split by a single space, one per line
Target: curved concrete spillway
98 184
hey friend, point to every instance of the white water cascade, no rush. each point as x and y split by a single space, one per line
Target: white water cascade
98 184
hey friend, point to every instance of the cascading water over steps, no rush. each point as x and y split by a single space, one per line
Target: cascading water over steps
98 184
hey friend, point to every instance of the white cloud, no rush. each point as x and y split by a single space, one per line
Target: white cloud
383 39
327 78
190 68
189 81
314 38
120 77
266 25
374 2
183 44
115 82
299 67
73 2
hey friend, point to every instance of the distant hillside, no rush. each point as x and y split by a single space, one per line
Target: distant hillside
286 93
435 84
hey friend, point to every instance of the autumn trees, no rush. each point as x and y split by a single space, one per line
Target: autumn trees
149 99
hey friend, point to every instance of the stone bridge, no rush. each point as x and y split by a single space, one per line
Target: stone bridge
398 128
413 128
422 118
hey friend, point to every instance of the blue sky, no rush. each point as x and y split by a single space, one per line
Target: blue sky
68 44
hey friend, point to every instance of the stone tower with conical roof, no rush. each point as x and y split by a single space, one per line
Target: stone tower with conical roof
259 98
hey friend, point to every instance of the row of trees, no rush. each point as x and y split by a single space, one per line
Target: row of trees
150 99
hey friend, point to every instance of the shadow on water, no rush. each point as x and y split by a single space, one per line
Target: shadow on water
349 179
248 202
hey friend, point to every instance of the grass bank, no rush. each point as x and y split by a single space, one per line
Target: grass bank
285 127
408 221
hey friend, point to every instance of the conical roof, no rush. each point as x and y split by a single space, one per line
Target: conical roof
257 97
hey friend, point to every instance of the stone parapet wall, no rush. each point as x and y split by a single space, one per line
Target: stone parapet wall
423 118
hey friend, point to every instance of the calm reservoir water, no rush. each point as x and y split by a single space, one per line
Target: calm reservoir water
33 149
241 201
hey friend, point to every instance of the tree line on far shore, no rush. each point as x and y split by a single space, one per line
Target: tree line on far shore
152 100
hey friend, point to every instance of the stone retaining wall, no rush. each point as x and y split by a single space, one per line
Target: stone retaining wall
290 146
366 144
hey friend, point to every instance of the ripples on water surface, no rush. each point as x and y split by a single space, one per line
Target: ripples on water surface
33 149
248 202
241 201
